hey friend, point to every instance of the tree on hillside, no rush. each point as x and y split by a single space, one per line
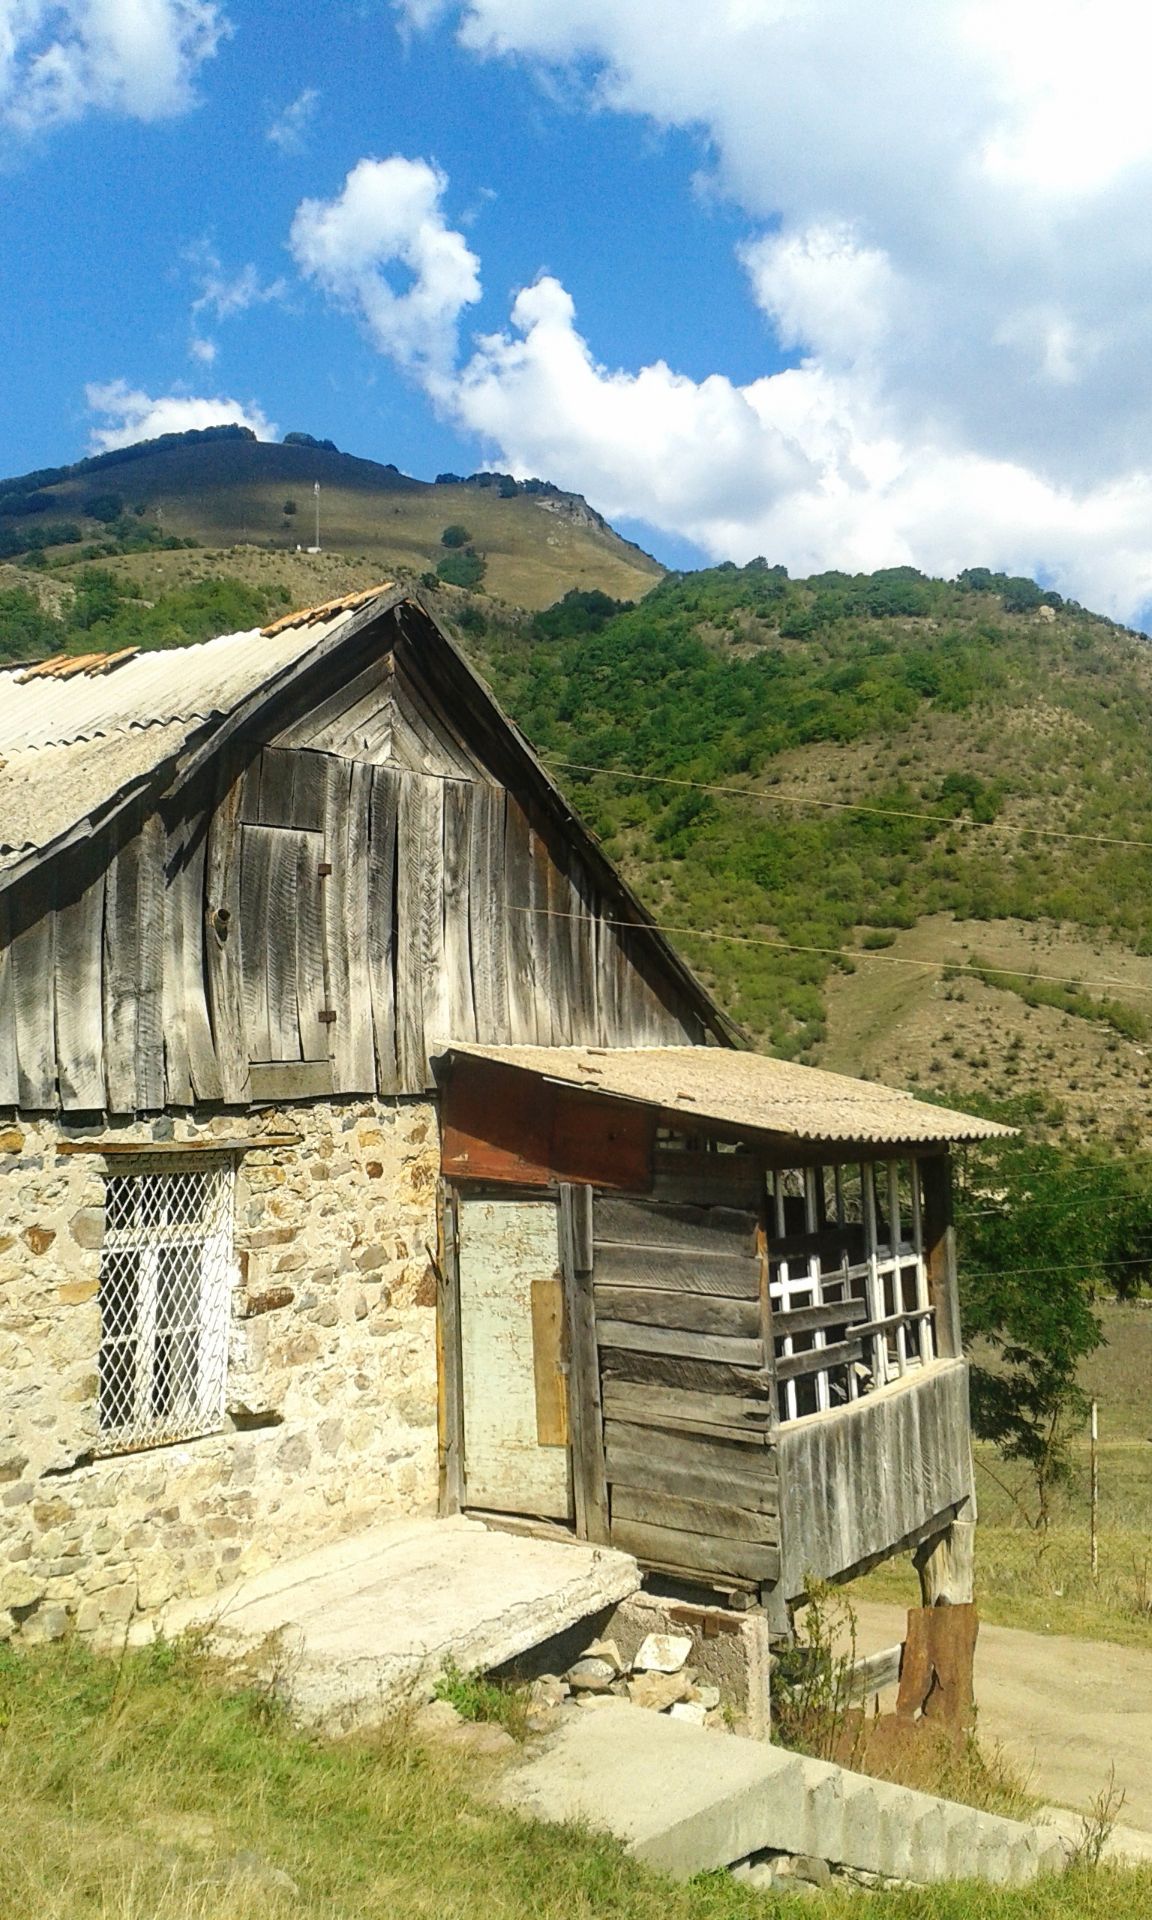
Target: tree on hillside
455 536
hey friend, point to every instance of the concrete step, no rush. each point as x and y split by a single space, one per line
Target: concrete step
687 1800
373 1618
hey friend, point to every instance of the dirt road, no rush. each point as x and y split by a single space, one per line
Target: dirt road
1064 1711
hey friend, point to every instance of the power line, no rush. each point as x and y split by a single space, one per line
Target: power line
781 796
837 953
1075 1266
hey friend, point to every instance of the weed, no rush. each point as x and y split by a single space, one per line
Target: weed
1097 1824
476 1698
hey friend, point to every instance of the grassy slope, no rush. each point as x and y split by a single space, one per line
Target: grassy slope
231 492
144 1788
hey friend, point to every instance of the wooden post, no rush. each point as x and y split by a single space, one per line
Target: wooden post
449 1359
940 1252
1095 1524
585 1411
946 1561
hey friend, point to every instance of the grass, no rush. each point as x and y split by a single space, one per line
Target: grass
160 1788
1047 1586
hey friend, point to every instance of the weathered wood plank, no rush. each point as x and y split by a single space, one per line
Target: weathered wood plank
286 848
9 1071
667 1269
152 851
648 1468
585 1405
832 1246
255 937
935 1174
522 1024
487 915
278 804
223 962
840 1313
178 1090
563 986
309 993
581 927
715 1347
411 1055
384 814
540 930
796 1366
291 1079
354 1048
695 1552
33 993
189 907
688 1228
450 1391
683 1411
121 975
737 1458
720 1520
549 1367
461 998
79 972
673 1370
692 1312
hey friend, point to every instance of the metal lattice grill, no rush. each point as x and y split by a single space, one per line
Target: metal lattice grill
165 1276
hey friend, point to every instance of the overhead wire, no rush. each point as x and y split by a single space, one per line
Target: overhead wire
854 954
781 796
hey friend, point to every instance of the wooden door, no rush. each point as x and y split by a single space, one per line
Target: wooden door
512 1348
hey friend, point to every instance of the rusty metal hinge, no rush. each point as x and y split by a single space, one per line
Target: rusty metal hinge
326 1016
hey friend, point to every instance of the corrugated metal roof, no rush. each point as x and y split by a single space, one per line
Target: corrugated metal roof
747 1091
77 729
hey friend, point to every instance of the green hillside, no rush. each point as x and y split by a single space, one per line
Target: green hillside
899 754
223 488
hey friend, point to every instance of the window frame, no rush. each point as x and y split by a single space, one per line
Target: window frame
154 1344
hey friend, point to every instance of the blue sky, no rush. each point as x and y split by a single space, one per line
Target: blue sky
844 287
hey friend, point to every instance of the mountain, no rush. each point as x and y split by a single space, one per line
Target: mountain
222 488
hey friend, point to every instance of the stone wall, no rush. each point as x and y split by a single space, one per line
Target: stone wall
332 1366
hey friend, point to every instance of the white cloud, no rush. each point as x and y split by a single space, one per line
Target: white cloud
60 59
387 216
289 129
948 207
128 415
223 295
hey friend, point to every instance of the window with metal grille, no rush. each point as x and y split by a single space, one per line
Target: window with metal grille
165 1277
848 1280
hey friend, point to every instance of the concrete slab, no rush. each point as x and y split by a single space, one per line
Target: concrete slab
687 1800
374 1618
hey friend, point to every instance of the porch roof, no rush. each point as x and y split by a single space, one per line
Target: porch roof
746 1091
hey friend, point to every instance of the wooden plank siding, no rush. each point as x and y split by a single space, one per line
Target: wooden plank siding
867 1477
319 910
686 1386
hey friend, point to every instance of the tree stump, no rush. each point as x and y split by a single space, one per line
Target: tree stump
936 1673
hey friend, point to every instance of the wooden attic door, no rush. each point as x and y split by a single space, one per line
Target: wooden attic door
282 864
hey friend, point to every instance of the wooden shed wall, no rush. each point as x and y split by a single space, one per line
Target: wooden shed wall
686 1388
299 922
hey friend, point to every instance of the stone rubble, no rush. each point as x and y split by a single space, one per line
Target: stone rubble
658 1680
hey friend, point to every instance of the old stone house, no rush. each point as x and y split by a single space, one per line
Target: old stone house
365 1149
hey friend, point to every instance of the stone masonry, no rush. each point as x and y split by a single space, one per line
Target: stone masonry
332 1393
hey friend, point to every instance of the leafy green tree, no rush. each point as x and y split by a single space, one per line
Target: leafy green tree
455 536
1033 1257
462 569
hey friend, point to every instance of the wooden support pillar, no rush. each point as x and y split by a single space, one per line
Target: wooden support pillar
946 1561
936 1683
940 1252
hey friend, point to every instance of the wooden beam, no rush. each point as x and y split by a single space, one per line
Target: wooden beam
251 1143
585 1410
940 1250
450 1394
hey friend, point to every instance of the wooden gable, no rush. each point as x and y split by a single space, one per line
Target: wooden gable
372 865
